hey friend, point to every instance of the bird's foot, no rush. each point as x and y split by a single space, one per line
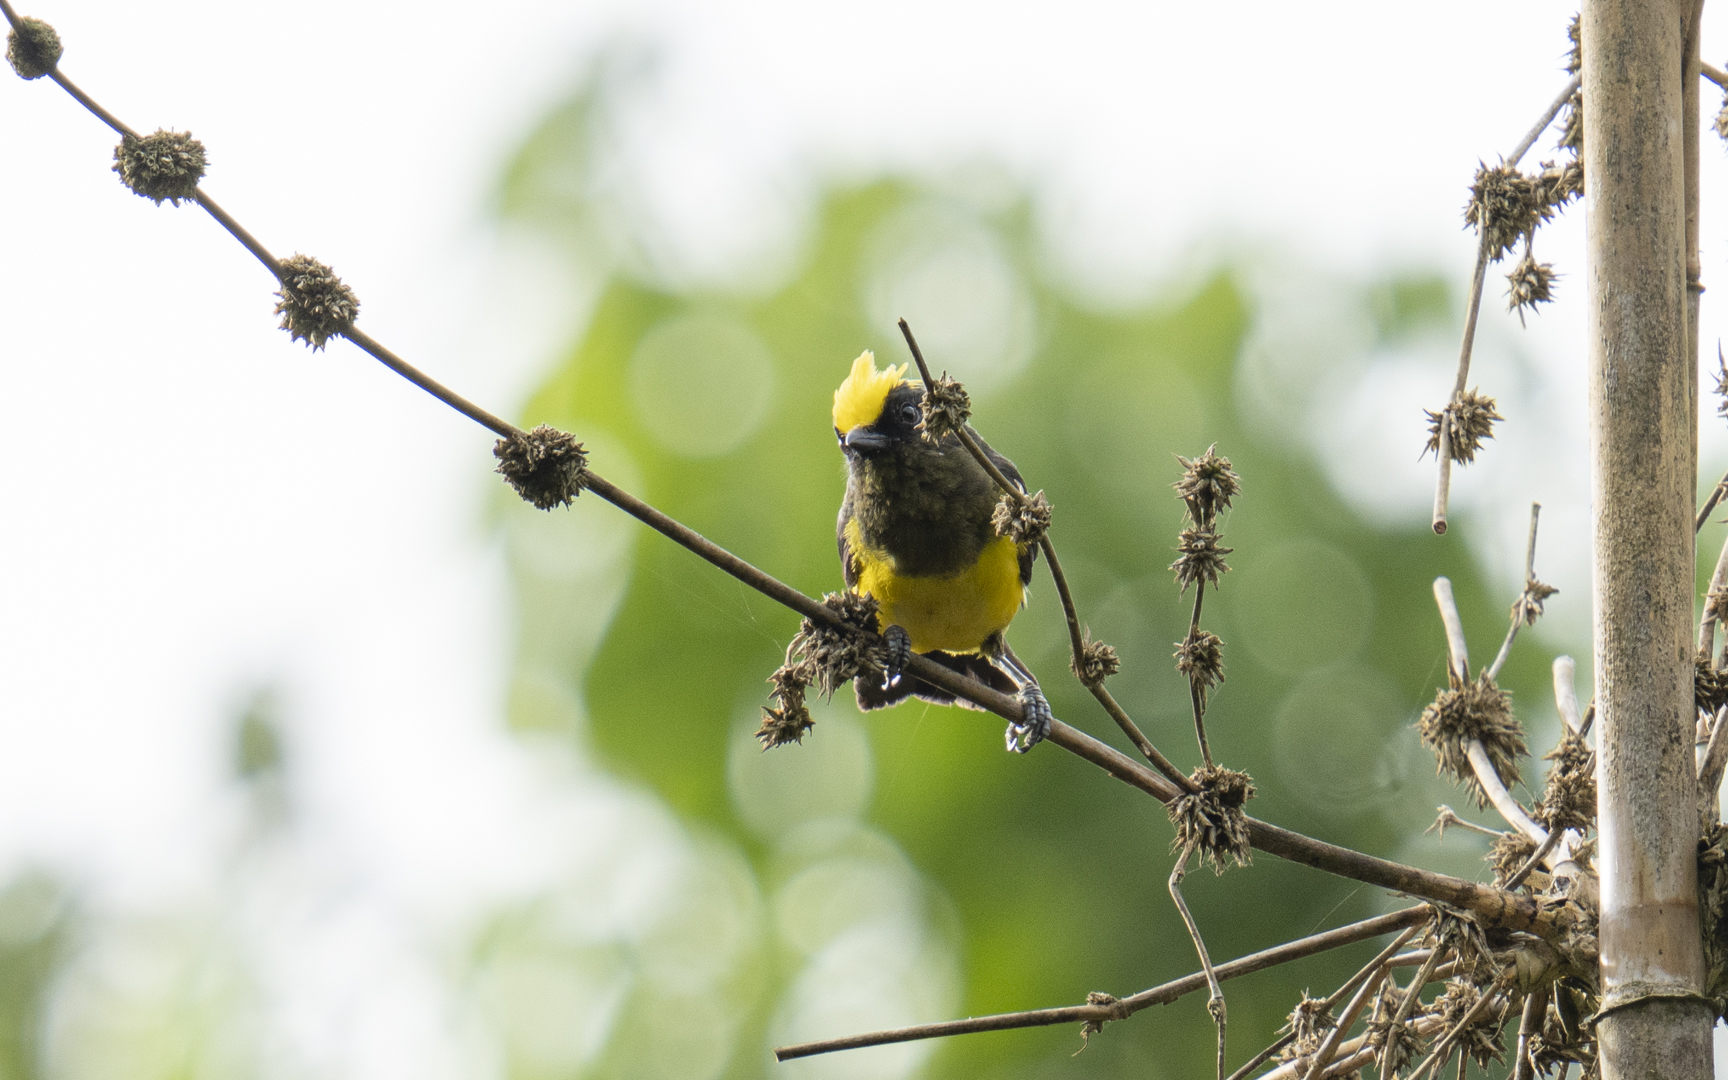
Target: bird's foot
1034 725
899 655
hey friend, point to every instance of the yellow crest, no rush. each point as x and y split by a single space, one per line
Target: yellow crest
859 399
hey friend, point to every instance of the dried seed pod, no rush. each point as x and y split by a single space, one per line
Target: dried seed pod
1481 1039
1097 662
1569 797
162 165
1472 418
1025 523
547 467
1200 557
1477 711
33 48
1507 854
1207 485
1200 659
790 719
1211 820
945 409
1528 284
835 656
1504 207
314 303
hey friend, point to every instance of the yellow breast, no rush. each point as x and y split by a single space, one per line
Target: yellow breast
955 613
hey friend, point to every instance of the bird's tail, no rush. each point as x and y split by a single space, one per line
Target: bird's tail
873 695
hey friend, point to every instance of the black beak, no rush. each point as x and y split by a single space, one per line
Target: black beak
863 440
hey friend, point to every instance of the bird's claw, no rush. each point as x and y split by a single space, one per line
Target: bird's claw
1034 725
899 655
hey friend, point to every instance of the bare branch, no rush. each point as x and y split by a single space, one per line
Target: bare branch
1158 995
1716 494
1718 583
1075 635
1713 73
1711 768
1499 797
1473 306
1566 696
1215 1002
1528 600
1457 652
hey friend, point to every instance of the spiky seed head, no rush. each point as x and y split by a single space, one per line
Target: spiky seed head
1709 686
1569 797
1507 854
1395 1042
835 656
1097 662
1572 127
1481 1040
1716 603
1211 820
1477 711
1574 55
859 400
1471 418
1462 937
1023 522
1722 119
547 467
162 165
1528 284
314 303
1309 1022
787 720
1503 207
1207 486
1556 186
1200 659
33 48
945 408
1200 557
1528 606
1721 388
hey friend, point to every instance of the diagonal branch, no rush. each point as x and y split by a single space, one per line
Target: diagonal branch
1443 485
1126 1007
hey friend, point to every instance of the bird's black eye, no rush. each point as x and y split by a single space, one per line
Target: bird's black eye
910 414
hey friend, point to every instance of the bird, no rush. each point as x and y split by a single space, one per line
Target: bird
915 533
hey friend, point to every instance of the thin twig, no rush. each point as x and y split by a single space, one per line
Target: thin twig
1335 1038
1473 307
1412 995
1718 583
1457 652
1449 817
1075 637
1458 667
1387 957
1520 607
1531 1023
1566 695
1713 73
1194 690
1711 769
1488 779
1157 995
1536 858
1554 108
1716 494
1443 1048
1215 1000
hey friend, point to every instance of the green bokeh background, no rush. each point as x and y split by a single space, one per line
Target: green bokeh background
1037 877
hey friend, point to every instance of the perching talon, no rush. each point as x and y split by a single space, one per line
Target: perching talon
1034 725
899 655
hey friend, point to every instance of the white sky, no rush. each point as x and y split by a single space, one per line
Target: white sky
195 504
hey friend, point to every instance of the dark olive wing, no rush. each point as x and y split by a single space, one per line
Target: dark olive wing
1029 553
